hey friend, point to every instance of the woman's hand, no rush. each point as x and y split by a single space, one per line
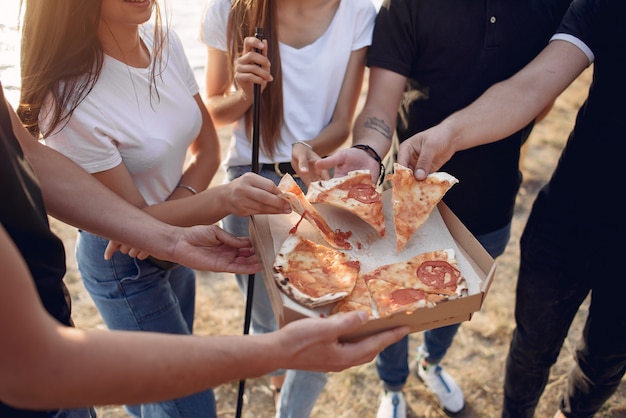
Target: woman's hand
252 67
252 194
303 159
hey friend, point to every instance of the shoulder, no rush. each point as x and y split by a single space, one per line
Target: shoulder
214 23
359 8
216 9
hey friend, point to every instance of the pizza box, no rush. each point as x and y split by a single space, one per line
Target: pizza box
442 230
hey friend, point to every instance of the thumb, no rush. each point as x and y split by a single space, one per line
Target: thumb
327 163
423 165
349 322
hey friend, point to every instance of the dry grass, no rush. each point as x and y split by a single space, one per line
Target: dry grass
476 359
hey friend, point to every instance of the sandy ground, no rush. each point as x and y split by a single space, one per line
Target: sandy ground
476 358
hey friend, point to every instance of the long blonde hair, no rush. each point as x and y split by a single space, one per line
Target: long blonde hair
245 16
61 56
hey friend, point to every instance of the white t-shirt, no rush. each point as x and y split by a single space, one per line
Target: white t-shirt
125 119
312 75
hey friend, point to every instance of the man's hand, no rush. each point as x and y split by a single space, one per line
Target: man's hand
427 151
350 159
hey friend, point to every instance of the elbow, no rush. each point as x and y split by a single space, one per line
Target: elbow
218 115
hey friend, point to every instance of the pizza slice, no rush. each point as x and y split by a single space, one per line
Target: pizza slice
422 281
300 204
358 300
390 298
413 200
313 274
355 193
434 272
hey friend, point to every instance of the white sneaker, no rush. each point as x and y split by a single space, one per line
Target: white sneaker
392 405
442 385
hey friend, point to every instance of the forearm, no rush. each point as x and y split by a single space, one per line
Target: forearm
498 113
46 365
228 108
205 208
331 138
508 106
375 128
117 366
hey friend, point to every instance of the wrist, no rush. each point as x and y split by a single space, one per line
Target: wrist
306 144
187 187
376 157
243 96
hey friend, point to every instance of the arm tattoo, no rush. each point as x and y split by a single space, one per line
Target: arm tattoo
379 126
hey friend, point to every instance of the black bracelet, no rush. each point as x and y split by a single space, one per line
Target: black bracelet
372 153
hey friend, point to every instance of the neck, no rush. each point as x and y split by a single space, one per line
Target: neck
124 44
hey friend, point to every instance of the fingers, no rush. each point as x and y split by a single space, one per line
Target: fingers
111 248
252 194
349 159
304 161
302 158
253 66
350 354
368 348
233 241
329 162
252 43
411 154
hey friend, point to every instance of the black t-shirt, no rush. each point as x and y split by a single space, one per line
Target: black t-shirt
23 215
451 52
588 181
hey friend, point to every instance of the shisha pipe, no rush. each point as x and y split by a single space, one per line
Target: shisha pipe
256 110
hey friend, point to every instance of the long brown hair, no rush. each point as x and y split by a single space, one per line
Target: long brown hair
61 56
245 16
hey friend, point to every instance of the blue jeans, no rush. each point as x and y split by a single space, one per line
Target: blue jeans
301 388
135 295
393 362
560 265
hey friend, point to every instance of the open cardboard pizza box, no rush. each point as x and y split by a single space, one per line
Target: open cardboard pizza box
442 230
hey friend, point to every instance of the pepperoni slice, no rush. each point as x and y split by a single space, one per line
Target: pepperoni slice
438 274
364 193
402 297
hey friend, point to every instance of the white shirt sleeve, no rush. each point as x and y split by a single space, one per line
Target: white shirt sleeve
214 22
